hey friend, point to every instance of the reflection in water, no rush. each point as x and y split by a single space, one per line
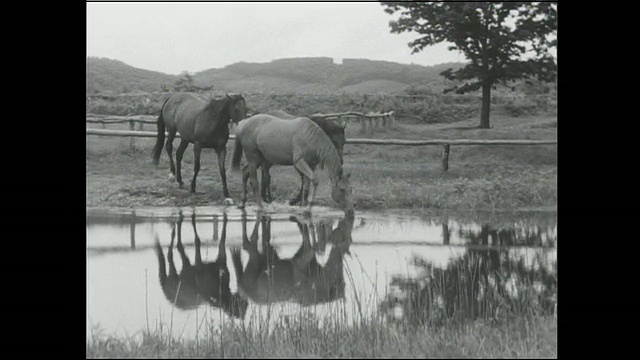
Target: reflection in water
267 278
488 282
200 283
466 270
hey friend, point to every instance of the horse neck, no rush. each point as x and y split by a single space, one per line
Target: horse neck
332 161
219 111
327 153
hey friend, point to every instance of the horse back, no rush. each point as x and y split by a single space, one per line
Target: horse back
280 114
180 108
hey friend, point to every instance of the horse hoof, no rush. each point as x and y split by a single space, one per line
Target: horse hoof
228 201
172 177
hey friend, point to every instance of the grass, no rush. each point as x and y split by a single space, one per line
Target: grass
304 338
479 177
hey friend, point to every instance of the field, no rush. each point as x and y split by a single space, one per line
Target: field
479 177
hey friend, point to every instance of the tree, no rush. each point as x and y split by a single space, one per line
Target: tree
504 41
184 83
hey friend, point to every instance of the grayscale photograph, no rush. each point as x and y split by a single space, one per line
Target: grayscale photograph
321 179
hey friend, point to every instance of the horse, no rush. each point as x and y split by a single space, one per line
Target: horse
267 140
205 124
334 130
301 279
201 283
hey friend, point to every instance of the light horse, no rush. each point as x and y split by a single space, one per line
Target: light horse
201 283
205 124
335 132
301 279
267 140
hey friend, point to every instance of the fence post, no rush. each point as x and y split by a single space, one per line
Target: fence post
104 126
132 127
364 124
215 228
446 232
141 126
445 157
132 231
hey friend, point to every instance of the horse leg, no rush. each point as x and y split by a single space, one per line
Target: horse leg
299 196
169 148
304 168
173 273
185 260
197 149
196 240
305 253
222 154
222 254
265 188
304 185
253 174
245 178
179 153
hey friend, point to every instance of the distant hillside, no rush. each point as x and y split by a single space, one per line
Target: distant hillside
107 75
299 75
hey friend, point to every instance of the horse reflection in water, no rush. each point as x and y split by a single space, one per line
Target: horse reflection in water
301 279
201 283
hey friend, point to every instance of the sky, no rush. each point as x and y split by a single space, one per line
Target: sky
184 36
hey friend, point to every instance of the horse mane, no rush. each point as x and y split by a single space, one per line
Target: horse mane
222 106
326 151
327 125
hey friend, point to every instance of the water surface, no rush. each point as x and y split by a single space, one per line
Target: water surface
358 264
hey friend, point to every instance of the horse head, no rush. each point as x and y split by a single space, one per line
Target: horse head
341 193
238 107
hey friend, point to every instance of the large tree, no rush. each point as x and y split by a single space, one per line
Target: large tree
504 41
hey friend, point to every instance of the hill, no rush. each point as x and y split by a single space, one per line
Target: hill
113 76
319 75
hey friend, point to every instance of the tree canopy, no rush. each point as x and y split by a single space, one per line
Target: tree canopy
504 41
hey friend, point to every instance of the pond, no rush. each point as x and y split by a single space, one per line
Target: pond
188 271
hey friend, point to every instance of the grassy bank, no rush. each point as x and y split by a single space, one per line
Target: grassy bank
535 337
479 177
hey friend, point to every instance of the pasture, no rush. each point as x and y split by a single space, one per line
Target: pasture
479 176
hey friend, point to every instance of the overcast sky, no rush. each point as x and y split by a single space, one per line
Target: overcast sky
179 36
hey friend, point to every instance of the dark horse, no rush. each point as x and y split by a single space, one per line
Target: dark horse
201 283
205 124
267 140
334 130
301 279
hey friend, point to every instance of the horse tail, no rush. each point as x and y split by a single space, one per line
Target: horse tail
157 149
237 155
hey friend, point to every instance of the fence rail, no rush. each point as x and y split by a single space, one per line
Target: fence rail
443 142
375 120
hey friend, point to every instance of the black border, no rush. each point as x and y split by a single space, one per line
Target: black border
49 38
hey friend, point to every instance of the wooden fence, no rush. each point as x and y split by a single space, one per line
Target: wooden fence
375 120
445 143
